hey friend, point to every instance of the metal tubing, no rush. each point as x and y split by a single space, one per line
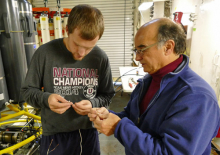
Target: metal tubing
16 121
18 114
16 146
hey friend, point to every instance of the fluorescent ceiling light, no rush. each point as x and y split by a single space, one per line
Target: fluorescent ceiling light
145 6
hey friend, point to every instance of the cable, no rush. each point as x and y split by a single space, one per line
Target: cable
80 142
142 16
183 28
126 74
215 148
48 151
35 149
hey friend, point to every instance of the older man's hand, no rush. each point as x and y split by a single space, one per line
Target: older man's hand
102 113
107 126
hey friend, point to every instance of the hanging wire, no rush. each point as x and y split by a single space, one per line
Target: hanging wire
125 74
142 16
49 151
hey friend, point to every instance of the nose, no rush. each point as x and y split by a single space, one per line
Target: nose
138 57
81 51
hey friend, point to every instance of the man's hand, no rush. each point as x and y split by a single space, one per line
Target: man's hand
102 113
83 107
107 126
58 104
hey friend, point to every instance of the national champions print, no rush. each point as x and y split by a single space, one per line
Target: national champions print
73 81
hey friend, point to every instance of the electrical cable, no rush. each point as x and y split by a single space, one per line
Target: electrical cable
35 149
142 17
215 148
80 142
184 28
125 74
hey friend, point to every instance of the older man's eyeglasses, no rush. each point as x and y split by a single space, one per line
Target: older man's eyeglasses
141 51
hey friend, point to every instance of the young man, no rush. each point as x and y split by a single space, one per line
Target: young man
172 110
76 76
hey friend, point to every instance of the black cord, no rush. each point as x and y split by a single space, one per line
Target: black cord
214 148
118 90
184 28
126 74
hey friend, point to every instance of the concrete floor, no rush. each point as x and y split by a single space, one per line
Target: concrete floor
110 145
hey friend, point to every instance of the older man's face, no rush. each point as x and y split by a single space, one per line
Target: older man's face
152 58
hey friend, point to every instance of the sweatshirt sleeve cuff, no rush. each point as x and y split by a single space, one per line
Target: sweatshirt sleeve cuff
94 103
45 99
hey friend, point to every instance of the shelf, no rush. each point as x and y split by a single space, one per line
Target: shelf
41 9
38 10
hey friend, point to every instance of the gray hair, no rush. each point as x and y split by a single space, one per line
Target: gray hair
172 31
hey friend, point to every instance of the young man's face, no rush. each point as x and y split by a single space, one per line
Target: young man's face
79 47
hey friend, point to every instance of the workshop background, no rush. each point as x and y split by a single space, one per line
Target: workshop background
27 24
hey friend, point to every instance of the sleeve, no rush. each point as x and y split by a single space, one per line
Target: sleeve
191 123
106 89
31 87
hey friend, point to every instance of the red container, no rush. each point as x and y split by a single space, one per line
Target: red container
178 17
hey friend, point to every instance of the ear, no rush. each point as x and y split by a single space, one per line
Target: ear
169 47
67 31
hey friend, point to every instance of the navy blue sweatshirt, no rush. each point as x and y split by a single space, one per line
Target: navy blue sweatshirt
181 119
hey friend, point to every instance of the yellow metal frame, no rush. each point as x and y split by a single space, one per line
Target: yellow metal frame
6 117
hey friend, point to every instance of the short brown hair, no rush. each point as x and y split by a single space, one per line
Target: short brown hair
88 20
170 30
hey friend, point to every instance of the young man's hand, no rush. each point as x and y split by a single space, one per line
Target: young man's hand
83 107
58 104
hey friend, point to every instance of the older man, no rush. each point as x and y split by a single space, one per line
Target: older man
172 110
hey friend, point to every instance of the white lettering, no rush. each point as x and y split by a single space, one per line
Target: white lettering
55 81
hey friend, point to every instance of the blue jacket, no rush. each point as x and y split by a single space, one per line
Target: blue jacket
181 119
